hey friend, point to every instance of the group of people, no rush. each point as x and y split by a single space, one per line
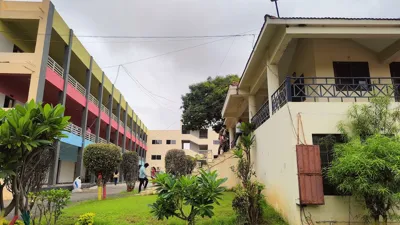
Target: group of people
224 137
143 180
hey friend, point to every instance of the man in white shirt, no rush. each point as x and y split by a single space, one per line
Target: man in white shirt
238 132
143 177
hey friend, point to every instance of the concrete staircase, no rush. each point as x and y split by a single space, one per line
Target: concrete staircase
223 165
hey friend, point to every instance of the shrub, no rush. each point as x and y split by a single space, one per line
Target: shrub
129 167
18 222
86 219
102 159
198 192
48 205
190 164
175 162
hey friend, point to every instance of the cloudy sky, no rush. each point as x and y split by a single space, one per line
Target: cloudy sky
170 74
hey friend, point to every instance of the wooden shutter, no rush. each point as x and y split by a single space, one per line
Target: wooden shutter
310 175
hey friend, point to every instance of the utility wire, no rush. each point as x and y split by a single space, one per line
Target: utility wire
223 60
149 94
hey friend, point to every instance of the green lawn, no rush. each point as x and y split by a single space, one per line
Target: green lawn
128 209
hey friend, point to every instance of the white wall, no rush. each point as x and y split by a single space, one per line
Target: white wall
2 98
5 44
66 173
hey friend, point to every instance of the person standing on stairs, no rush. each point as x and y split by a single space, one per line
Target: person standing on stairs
238 132
143 177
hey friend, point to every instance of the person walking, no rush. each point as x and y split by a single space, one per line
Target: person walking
143 177
116 176
238 132
222 140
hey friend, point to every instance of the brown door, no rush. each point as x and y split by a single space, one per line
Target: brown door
395 73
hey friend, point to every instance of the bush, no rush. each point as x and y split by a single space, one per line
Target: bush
102 159
129 168
190 164
175 162
18 222
198 192
48 205
86 219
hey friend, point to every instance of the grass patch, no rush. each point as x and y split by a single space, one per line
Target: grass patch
128 209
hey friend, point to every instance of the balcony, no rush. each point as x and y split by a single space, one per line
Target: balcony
93 100
104 109
90 137
102 140
73 129
261 116
318 89
114 117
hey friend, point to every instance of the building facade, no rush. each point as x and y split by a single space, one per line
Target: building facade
203 143
42 59
299 82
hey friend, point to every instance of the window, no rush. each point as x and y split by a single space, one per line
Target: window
216 142
156 142
204 134
171 142
184 131
155 157
9 102
326 143
203 147
352 76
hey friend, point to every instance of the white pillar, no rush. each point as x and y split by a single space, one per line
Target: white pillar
231 136
252 107
272 83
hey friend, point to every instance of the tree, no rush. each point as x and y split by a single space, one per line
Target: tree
369 170
175 162
27 134
248 199
202 106
190 164
129 166
199 193
102 159
365 120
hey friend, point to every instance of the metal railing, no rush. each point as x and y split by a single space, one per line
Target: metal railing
300 89
104 109
89 136
207 154
73 129
93 100
77 85
55 67
261 116
121 124
102 140
114 117
128 130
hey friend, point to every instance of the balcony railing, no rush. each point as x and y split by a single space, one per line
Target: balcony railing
89 136
261 116
104 109
114 117
207 154
59 71
102 140
121 124
93 100
55 67
76 85
73 129
128 130
300 89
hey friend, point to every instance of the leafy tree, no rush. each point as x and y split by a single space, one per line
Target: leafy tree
175 162
102 159
377 117
199 193
248 197
202 106
27 134
129 166
369 170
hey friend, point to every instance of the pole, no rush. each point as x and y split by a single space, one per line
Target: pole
276 6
